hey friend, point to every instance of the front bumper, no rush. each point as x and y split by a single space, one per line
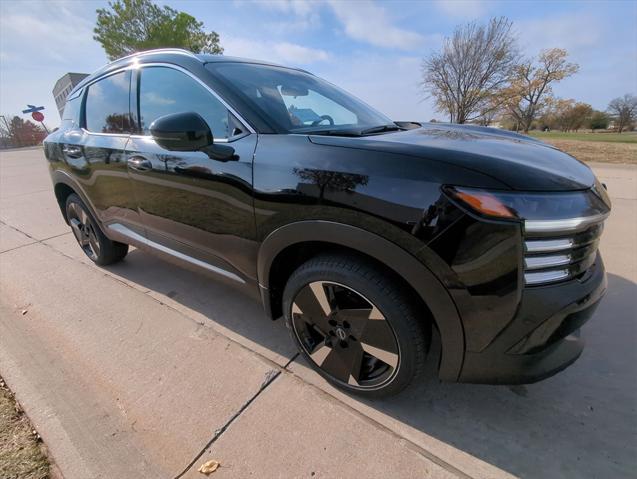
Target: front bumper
542 339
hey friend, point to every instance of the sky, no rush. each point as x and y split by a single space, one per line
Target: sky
372 49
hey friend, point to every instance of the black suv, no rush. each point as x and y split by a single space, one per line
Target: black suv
363 233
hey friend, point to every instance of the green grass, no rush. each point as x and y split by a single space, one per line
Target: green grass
627 137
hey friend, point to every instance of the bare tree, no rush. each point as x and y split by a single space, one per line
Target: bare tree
531 86
473 65
624 110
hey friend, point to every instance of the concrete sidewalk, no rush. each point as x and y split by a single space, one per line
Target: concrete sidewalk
143 369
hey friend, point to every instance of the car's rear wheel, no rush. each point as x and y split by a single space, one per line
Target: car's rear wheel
101 250
355 326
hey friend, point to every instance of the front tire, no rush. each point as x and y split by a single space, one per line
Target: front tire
355 326
99 249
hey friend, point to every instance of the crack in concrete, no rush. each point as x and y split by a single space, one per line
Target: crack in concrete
270 376
35 240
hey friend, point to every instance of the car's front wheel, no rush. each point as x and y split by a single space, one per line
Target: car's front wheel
101 250
355 325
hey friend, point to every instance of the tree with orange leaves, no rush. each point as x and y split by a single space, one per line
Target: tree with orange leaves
531 85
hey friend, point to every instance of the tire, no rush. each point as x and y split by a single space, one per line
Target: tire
101 250
355 326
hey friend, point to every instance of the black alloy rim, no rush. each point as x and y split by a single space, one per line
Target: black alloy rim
84 231
345 335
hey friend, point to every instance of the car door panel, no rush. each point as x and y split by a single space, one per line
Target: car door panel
195 205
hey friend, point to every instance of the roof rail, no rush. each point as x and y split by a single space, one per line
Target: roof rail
179 51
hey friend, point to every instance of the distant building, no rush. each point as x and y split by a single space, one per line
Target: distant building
64 86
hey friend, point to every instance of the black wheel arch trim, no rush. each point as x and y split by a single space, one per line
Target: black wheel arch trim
417 274
61 177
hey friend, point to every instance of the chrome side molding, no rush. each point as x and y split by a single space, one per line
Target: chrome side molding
137 238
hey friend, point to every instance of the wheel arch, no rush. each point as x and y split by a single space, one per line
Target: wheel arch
278 247
63 186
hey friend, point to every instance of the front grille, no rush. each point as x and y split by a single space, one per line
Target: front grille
559 250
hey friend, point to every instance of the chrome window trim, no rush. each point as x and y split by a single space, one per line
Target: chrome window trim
566 224
136 237
137 66
118 135
158 51
542 246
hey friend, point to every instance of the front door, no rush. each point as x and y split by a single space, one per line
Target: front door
194 208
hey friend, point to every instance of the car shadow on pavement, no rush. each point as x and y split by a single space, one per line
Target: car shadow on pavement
208 301
579 423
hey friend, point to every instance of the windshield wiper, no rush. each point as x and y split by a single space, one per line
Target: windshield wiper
380 129
346 132
333 132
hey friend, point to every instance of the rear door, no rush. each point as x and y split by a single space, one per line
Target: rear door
95 150
193 207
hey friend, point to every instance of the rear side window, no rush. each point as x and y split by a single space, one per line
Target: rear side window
106 107
163 91
71 111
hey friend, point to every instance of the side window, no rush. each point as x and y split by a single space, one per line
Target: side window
71 111
106 109
163 91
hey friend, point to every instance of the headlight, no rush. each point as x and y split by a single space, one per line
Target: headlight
511 205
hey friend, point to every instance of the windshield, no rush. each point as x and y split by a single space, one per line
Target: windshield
297 102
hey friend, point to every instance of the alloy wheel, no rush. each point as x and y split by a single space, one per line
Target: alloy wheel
83 230
345 335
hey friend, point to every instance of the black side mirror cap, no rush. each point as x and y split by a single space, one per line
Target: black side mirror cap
182 132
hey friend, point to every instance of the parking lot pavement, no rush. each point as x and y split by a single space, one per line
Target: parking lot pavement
143 369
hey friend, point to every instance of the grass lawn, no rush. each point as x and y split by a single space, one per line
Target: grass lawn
627 137
21 453
596 147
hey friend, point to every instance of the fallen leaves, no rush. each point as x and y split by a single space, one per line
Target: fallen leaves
208 467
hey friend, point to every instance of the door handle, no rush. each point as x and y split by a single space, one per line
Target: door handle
72 151
139 163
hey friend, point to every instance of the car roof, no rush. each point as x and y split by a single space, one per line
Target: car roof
176 56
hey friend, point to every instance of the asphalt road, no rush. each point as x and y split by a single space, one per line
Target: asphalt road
143 369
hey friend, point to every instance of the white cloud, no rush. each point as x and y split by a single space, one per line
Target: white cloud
462 9
295 15
297 7
39 42
367 22
39 31
281 52
573 31
299 54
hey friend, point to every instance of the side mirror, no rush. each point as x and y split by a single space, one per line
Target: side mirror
181 132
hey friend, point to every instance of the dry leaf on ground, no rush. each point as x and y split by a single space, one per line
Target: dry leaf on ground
208 467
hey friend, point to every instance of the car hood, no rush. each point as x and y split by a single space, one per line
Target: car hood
520 162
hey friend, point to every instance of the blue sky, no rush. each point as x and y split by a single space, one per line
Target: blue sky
371 48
